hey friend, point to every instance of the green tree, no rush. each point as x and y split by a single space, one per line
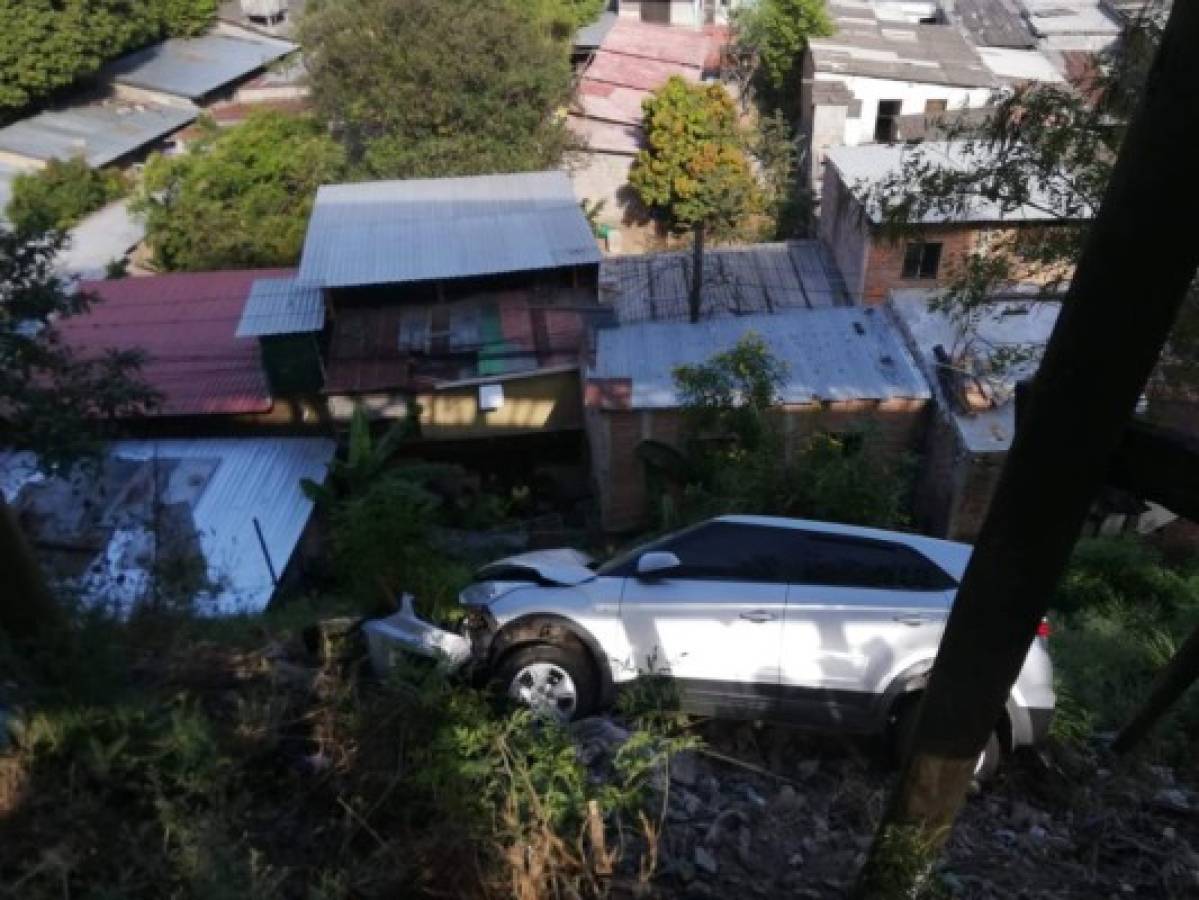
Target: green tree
694 173
241 197
431 88
61 194
46 45
52 402
770 38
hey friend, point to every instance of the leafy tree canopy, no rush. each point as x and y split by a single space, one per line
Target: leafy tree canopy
49 44
54 402
694 171
61 194
771 36
430 88
241 197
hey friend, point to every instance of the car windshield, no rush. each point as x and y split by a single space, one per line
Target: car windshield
617 562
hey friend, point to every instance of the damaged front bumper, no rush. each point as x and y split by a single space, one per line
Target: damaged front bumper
406 632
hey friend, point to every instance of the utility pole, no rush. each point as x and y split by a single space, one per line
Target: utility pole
1128 286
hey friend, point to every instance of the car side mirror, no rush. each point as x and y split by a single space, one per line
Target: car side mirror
656 563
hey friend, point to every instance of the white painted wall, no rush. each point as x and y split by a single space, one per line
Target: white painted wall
913 95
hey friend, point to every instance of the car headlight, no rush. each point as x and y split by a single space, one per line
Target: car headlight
482 593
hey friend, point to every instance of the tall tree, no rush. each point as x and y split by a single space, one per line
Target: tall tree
241 197
694 173
769 40
52 402
430 88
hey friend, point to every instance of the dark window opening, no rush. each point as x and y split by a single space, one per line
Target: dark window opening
884 125
656 11
922 259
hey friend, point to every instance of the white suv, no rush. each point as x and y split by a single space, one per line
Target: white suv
829 626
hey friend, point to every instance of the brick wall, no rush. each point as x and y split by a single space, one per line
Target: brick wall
620 477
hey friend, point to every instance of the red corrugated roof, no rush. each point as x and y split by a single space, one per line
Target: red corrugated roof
685 46
185 324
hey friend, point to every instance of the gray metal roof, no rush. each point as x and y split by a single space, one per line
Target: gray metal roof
280 306
592 35
106 235
994 23
1002 326
866 45
387 232
100 132
218 487
756 278
863 167
195 67
835 354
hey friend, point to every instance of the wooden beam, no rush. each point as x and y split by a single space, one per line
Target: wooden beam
1129 284
1179 674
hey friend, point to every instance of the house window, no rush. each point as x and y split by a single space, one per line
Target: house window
921 259
935 107
884 125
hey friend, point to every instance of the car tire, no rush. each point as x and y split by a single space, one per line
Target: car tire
903 730
542 675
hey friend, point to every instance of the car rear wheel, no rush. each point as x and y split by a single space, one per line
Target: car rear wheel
555 682
903 730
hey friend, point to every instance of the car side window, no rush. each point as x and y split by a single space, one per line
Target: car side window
727 551
844 561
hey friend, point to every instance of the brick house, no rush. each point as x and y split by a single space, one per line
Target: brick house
847 369
874 263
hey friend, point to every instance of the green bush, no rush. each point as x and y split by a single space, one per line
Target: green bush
1117 618
46 45
61 194
241 197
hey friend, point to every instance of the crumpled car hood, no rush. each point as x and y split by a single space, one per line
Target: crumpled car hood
564 566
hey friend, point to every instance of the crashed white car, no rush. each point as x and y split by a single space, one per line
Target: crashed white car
825 625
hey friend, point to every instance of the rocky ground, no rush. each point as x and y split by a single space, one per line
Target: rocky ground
768 812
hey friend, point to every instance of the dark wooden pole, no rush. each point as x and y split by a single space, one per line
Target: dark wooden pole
27 607
1130 281
1179 674
695 298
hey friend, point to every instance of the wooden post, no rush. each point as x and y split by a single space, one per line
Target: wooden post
1179 674
696 298
1128 286
27 607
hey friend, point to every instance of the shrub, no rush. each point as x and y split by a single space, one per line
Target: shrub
61 194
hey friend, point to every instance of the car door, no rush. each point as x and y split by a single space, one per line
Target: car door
716 621
859 610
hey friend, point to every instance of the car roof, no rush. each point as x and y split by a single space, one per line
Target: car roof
951 555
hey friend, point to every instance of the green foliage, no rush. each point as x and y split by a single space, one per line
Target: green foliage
58 404
432 88
694 171
61 194
564 17
788 199
1117 618
241 197
775 34
365 457
736 458
46 45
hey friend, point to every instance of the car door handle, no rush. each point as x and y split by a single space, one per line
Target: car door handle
912 619
759 615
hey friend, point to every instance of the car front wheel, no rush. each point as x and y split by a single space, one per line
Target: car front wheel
555 682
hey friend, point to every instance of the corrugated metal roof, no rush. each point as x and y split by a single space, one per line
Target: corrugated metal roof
593 34
993 23
280 306
387 232
867 45
219 485
102 237
684 46
1019 66
99 132
740 281
864 167
835 354
185 323
195 67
